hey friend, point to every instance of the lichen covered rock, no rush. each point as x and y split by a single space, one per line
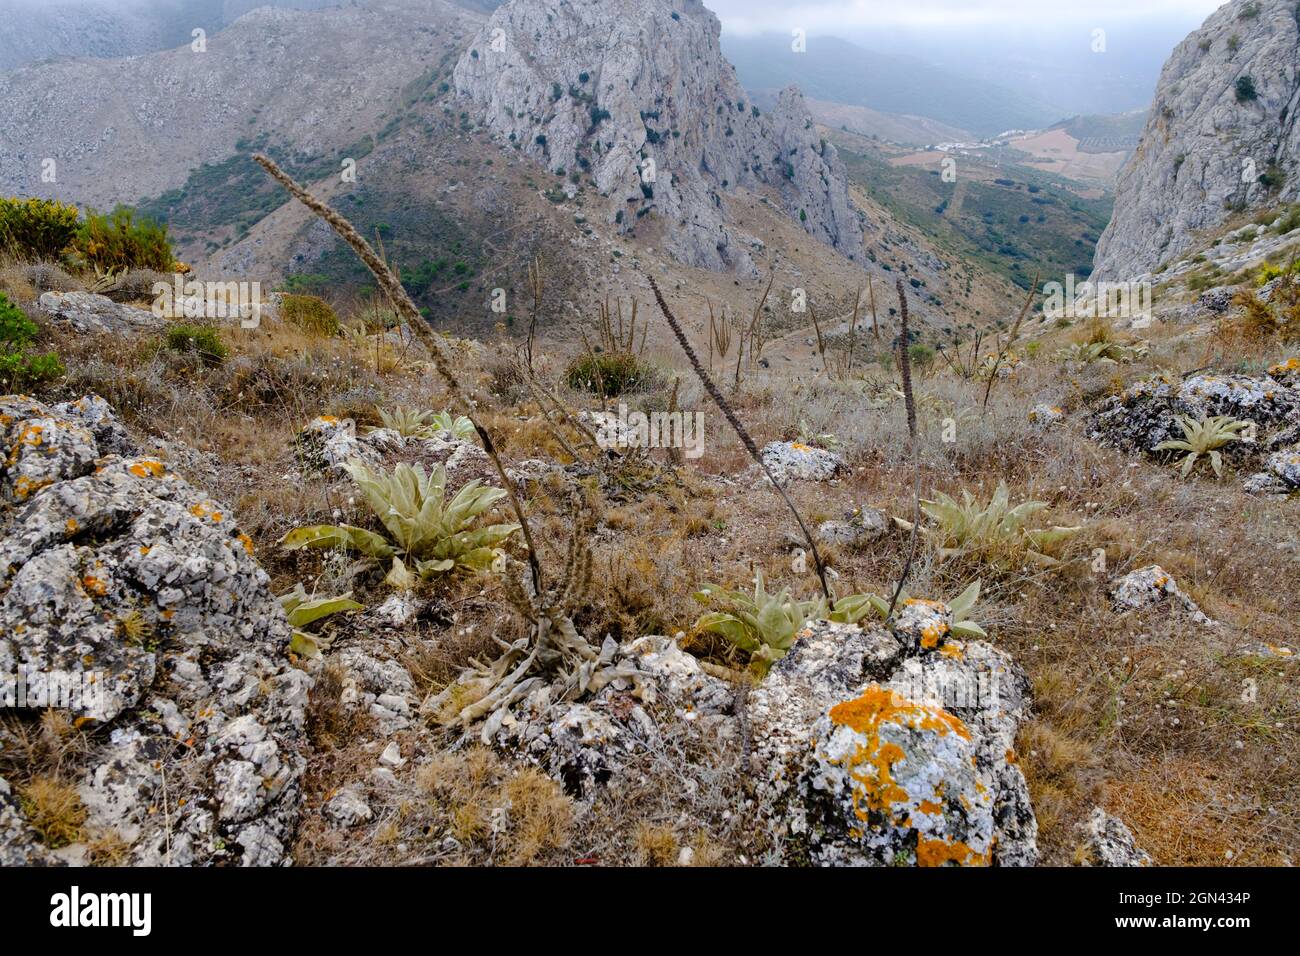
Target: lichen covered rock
88 312
897 765
1152 588
879 748
864 526
328 443
1108 842
1287 373
1146 414
1285 466
584 744
119 579
792 461
1045 416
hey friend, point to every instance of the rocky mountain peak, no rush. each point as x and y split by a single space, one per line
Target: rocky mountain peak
1222 137
635 97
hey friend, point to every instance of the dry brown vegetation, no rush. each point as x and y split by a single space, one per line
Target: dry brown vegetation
1144 715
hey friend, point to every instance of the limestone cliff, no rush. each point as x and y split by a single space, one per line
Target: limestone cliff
636 97
1222 137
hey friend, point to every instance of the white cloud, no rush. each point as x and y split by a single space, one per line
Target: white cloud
751 16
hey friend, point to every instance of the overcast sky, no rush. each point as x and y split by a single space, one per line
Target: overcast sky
839 16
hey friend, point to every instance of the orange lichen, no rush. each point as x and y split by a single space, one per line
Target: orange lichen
933 633
937 852
246 541
148 468
954 650
871 766
25 487
70 526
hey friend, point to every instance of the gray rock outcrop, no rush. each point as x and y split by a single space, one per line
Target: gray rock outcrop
883 749
1108 842
131 601
636 95
1223 135
87 312
1146 414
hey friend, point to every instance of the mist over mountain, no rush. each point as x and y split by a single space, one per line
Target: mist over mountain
837 70
1084 64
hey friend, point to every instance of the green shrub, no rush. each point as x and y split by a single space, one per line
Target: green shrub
310 314
1246 90
119 241
18 368
922 355
16 329
200 340
1289 221
36 229
608 373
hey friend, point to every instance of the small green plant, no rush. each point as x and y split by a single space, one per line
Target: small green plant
413 423
1108 353
457 427
1246 91
992 533
426 534
1205 437
118 241
922 355
407 422
764 625
810 436
303 610
201 340
18 368
1289 221
309 313
36 229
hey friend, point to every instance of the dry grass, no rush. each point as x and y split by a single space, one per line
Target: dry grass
53 808
1143 715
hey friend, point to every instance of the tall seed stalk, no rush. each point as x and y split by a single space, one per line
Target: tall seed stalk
397 295
909 400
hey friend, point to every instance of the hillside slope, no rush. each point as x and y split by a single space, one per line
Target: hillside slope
121 130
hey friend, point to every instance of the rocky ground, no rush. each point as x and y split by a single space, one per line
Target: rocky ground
1128 696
